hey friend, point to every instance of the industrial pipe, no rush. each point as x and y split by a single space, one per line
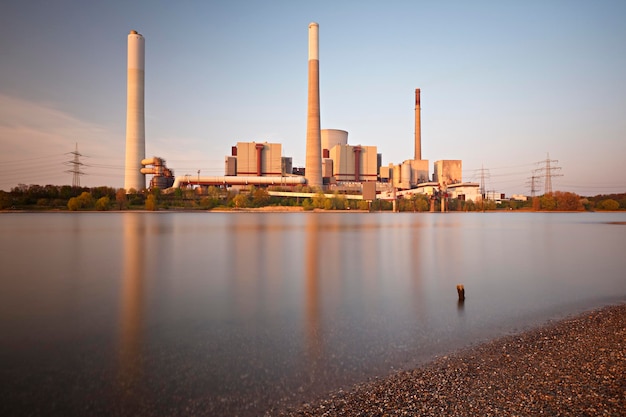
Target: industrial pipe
259 159
237 180
357 163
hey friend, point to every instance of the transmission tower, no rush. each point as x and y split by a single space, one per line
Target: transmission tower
534 178
75 165
484 174
548 172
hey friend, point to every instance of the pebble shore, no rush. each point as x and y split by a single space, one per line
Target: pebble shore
575 367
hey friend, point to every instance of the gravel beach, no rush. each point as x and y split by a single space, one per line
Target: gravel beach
574 367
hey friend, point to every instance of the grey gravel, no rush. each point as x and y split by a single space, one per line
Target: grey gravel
576 367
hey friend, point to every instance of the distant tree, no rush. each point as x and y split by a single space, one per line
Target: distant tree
470 205
241 201
567 201
6 200
307 204
213 192
207 203
66 192
103 203
151 203
547 202
319 200
120 199
74 204
260 197
86 200
608 205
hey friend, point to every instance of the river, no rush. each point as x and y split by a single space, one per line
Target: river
239 313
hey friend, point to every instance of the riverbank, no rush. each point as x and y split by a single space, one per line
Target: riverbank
574 367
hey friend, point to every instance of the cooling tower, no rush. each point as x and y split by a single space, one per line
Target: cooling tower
418 127
135 126
332 137
313 165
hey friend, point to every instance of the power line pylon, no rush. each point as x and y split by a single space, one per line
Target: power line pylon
75 167
534 178
483 191
548 172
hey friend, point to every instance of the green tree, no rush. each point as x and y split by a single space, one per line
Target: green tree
609 205
260 197
469 205
547 202
319 200
5 200
86 200
241 201
103 203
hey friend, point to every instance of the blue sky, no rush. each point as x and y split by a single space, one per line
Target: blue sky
503 84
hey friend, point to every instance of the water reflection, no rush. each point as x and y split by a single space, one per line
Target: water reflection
312 296
133 304
228 314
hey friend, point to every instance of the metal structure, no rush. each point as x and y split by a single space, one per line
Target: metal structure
163 176
548 172
313 165
135 121
75 164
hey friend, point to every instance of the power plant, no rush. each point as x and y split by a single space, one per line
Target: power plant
135 121
330 162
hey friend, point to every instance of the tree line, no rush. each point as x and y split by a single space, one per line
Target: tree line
52 197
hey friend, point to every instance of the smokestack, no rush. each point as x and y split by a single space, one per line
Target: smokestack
135 124
313 163
418 127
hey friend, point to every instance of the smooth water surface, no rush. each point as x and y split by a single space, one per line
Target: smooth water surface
240 313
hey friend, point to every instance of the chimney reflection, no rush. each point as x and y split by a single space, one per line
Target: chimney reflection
312 302
133 301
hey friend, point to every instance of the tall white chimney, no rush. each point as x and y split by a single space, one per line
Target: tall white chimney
135 121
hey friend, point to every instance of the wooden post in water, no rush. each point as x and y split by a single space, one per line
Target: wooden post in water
461 291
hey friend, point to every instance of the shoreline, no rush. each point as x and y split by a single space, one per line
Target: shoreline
574 366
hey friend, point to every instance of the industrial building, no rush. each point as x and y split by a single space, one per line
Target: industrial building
354 163
330 161
252 158
448 172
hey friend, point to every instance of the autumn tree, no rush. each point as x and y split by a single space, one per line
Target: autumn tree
120 199
151 202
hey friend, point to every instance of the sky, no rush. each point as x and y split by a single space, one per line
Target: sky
503 85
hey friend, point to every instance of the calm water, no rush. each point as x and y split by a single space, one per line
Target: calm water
239 313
